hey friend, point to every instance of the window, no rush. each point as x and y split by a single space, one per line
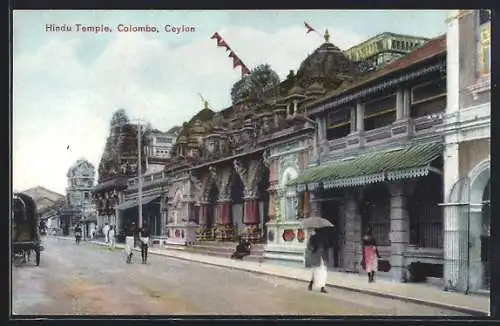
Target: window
425 214
86 195
428 98
380 112
484 42
339 123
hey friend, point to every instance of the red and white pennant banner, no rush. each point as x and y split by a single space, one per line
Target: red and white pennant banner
236 60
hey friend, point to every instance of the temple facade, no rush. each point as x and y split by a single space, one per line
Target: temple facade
119 163
360 147
467 152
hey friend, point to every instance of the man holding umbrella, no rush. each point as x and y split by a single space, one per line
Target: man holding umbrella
317 250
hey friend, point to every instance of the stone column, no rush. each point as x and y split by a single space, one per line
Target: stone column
360 113
406 103
399 104
251 219
352 251
163 214
314 205
353 119
400 234
225 221
476 269
272 205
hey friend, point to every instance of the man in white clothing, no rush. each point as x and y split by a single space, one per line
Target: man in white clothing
105 230
111 237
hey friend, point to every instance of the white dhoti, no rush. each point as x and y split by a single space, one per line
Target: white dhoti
319 275
129 245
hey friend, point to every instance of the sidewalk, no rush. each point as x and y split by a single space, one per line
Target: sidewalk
418 293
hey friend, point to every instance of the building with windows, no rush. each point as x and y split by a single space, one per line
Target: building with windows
467 127
377 162
160 144
79 204
384 48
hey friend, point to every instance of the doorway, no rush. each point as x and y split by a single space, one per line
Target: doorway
331 204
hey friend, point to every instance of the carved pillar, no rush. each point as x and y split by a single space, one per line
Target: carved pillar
225 220
400 234
251 219
203 214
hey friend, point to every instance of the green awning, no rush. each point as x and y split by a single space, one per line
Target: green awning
409 161
133 203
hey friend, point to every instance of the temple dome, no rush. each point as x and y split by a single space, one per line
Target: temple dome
296 90
197 128
327 63
315 89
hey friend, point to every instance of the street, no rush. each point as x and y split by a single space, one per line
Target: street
92 279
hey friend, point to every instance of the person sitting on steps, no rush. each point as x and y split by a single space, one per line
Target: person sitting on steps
242 250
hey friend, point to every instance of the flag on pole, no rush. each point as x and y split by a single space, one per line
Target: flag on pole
236 62
309 28
216 36
245 70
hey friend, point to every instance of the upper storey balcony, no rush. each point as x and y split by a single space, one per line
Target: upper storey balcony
408 111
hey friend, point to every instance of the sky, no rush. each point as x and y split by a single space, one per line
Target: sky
66 85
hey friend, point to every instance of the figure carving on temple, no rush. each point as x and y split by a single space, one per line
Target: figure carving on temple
238 167
266 158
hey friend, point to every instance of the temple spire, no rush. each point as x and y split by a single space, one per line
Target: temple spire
327 36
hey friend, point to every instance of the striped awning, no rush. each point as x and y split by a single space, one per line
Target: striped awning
405 162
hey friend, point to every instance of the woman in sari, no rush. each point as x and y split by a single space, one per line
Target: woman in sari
370 255
316 258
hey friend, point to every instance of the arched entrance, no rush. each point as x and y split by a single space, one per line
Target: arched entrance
480 225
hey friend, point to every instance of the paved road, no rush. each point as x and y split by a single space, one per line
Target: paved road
91 279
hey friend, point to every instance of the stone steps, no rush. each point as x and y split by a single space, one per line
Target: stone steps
220 249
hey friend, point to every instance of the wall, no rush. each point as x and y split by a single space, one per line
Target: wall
469 60
471 153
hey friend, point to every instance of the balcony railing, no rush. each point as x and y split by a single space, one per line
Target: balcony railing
408 128
148 179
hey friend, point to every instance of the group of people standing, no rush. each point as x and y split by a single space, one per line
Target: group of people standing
133 234
321 240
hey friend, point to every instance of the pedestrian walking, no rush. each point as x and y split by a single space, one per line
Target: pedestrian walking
370 255
129 242
78 234
105 230
144 241
111 237
316 259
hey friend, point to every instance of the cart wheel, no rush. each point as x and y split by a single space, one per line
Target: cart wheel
37 256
